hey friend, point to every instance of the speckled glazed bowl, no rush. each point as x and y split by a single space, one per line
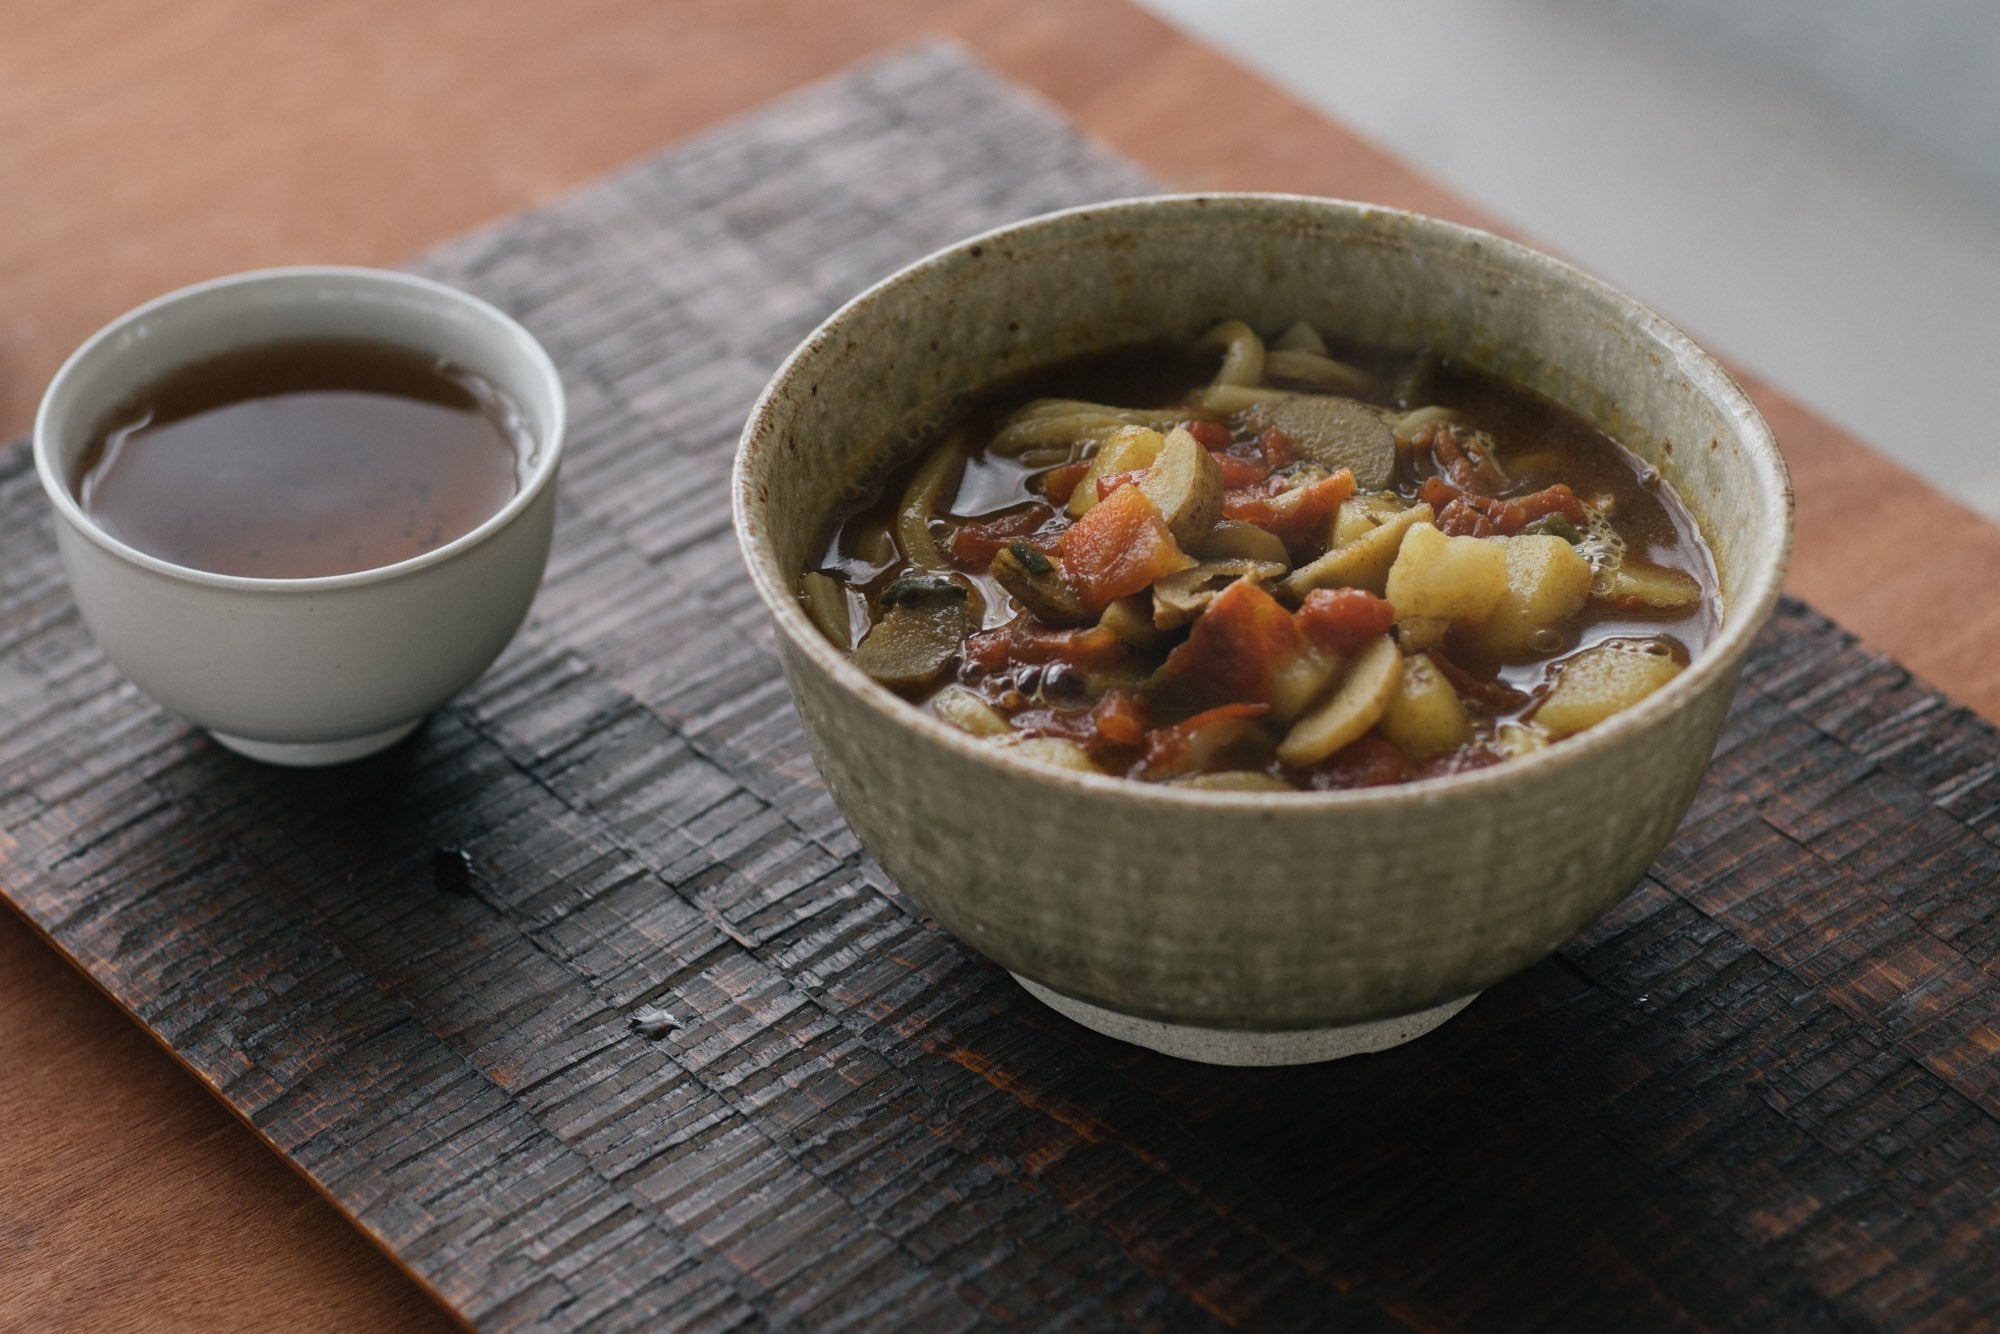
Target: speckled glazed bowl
1238 927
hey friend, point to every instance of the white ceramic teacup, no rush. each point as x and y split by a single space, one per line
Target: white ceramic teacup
314 670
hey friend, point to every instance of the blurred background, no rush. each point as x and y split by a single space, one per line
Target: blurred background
1809 187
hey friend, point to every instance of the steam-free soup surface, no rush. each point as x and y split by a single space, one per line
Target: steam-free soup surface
303 458
1266 562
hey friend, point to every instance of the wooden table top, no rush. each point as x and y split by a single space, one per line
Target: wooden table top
142 147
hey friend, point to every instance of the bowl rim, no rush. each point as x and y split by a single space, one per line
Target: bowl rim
1760 588
541 472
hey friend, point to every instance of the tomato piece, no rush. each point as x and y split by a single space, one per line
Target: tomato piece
1171 750
1232 651
1276 447
974 545
984 652
1464 514
1344 617
1210 435
1120 546
1288 513
1119 718
1437 493
1463 517
1029 642
1058 482
1112 481
1249 505
1301 509
1460 456
1557 499
1239 471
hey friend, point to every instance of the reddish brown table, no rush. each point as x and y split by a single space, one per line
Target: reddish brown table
142 146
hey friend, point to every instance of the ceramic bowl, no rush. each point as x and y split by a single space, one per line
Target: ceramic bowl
315 670
1238 927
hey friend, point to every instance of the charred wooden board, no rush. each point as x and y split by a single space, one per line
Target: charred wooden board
585 1003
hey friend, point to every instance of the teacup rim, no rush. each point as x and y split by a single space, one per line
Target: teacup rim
541 473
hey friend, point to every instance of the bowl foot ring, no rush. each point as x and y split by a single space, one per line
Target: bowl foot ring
310 754
1236 1046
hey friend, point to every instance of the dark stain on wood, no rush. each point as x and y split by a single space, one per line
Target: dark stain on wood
1762 1092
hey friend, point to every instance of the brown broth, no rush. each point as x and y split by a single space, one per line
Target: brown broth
1536 442
303 458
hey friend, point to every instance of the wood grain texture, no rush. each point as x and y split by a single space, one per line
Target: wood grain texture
1764 1092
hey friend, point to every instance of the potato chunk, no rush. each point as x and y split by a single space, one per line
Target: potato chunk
1547 581
1425 716
1056 752
1131 619
1513 740
1355 705
1459 579
964 709
1129 449
1362 514
1233 780
1653 587
1363 561
1600 681
1185 483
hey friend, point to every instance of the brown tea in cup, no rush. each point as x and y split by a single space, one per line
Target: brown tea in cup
303 458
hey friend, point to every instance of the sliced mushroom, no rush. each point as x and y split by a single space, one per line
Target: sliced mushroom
1336 433
1040 585
1355 705
1184 483
1180 597
924 620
